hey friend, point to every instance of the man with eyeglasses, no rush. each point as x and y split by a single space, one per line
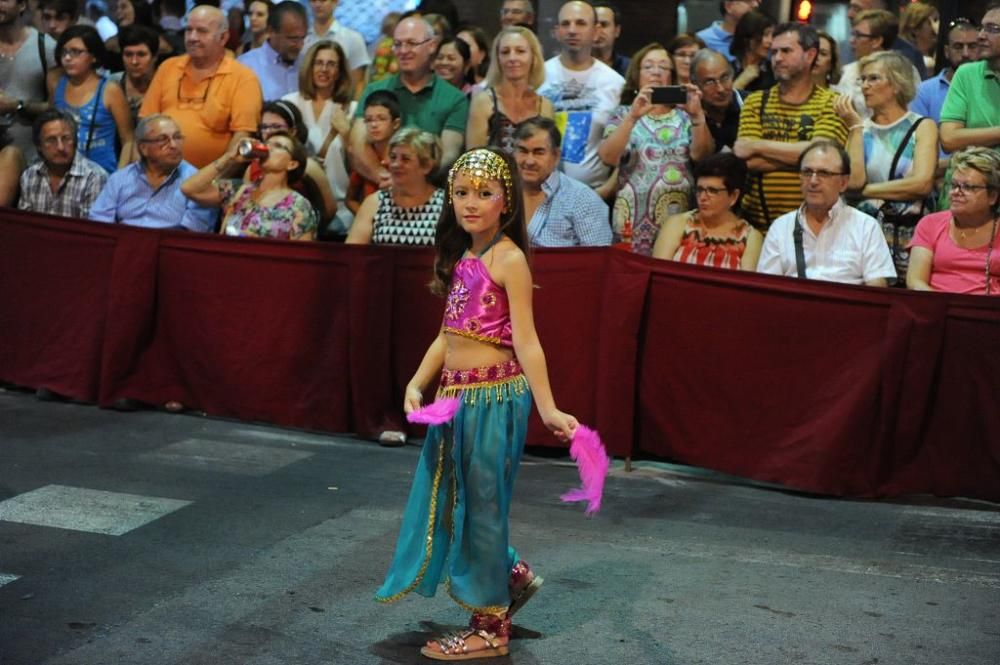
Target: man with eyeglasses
778 123
276 62
825 238
215 100
325 26
61 181
713 75
426 100
719 35
971 111
517 12
147 193
847 54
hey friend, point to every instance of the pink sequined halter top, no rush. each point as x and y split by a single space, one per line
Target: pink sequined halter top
477 307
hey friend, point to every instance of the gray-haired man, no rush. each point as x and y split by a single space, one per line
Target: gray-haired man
147 193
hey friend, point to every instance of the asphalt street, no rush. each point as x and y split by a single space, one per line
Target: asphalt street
149 538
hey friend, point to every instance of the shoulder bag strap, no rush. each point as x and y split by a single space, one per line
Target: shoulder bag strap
93 116
902 147
45 66
800 253
764 96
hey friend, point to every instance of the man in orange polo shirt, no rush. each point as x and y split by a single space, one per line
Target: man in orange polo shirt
215 100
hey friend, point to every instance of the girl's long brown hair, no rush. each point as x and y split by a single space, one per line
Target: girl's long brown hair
451 240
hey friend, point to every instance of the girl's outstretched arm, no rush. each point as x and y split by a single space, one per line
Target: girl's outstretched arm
429 368
516 279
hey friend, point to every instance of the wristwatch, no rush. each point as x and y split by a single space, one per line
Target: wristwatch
20 106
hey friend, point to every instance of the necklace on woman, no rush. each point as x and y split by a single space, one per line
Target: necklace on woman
989 252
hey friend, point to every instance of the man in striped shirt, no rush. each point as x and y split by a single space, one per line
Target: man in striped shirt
778 123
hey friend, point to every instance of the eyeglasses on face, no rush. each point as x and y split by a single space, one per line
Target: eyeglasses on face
655 67
861 35
73 53
965 188
164 140
822 174
53 141
408 45
710 191
869 78
990 28
723 80
326 64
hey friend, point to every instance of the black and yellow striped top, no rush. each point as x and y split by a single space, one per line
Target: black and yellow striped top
781 121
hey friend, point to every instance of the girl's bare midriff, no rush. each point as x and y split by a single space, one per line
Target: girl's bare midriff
465 353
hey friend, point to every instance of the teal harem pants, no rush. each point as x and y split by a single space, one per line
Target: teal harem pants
455 526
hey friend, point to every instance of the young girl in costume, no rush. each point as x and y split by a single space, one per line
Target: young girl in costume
487 354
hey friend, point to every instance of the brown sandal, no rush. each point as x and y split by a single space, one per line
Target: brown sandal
523 585
485 626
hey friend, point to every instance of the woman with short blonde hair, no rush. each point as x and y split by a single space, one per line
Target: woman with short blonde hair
407 212
893 152
517 69
958 250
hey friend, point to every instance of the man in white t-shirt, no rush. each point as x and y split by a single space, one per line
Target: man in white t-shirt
325 26
583 91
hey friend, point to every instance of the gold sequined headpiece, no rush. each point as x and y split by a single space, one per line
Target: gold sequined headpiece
481 165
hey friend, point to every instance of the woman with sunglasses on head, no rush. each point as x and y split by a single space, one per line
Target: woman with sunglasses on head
958 250
263 208
893 152
713 234
96 103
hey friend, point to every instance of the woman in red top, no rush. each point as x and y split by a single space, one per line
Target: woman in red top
713 234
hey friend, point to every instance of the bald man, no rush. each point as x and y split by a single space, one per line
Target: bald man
215 100
584 91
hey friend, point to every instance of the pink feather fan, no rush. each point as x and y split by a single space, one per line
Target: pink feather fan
437 412
592 461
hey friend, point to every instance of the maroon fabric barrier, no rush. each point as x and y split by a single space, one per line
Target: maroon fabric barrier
825 388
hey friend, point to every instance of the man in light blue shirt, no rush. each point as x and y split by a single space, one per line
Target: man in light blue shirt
719 35
276 63
147 193
561 211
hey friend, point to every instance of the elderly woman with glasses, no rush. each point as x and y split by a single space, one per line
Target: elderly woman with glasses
653 146
893 152
958 250
264 208
713 234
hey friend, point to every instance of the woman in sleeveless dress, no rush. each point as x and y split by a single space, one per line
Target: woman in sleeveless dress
517 69
97 104
407 212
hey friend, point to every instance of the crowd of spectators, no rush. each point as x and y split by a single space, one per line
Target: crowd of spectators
753 144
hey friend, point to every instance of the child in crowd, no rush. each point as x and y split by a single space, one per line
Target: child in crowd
382 119
455 526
